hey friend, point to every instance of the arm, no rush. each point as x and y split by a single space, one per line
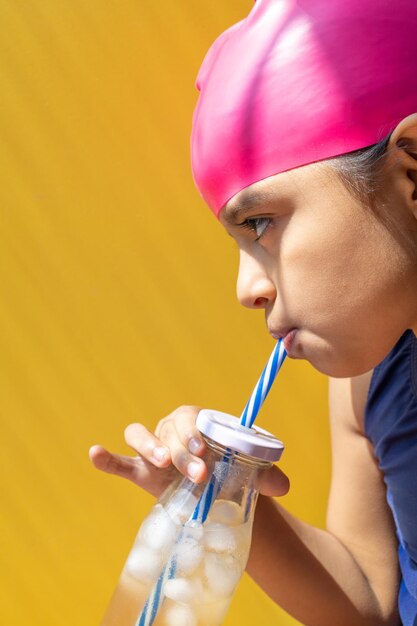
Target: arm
348 574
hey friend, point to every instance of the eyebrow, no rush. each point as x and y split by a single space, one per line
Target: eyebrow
247 203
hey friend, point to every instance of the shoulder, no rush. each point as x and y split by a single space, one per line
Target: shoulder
372 395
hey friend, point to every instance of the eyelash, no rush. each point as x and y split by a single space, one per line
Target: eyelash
252 224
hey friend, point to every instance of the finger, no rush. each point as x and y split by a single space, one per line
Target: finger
188 433
135 469
186 463
185 418
149 446
105 461
274 482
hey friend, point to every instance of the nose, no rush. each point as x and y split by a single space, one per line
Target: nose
254 288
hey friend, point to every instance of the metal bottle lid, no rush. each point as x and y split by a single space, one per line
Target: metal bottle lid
226 430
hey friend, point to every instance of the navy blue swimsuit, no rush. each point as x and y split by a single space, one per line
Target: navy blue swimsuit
391 426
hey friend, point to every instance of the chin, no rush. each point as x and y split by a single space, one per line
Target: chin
340 362
338 369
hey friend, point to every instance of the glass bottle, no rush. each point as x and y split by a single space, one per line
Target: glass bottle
192 548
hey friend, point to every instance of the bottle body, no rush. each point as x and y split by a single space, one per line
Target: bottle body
197 563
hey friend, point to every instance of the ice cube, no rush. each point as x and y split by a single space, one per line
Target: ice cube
222 572
220 538
183 591
194 529
181 505
158 530
226 512
144 563
188 554
179 615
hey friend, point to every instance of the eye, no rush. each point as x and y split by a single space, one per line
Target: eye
257 225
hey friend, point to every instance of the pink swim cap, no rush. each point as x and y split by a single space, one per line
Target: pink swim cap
298 81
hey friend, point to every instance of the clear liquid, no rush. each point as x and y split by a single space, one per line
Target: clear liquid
210 560
130 597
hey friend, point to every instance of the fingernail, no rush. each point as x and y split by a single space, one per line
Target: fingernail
160 453
192 469
194 445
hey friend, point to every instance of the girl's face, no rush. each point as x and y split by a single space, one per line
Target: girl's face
321 263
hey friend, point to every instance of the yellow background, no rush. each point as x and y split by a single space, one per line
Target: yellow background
117 295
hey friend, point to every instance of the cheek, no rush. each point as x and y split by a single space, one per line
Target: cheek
338 284
337 269
319 261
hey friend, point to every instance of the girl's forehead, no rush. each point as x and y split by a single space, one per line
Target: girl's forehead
279 189
246 201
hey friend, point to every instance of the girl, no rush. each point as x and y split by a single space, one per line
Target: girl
305 146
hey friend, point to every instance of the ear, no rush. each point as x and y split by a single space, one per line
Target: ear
402 155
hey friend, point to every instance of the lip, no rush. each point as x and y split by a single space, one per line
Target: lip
287 335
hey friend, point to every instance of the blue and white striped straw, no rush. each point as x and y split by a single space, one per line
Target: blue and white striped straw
263 385
212 488
210 493
156 597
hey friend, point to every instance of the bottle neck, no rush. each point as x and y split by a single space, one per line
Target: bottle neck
238 473
238 457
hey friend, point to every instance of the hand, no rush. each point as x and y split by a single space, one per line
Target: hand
176 447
